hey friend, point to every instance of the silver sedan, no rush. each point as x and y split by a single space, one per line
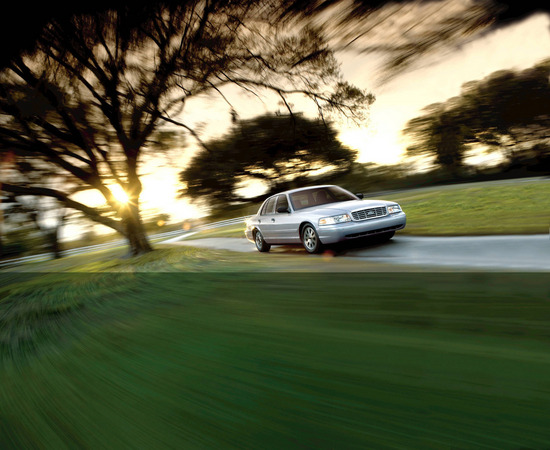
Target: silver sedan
320 215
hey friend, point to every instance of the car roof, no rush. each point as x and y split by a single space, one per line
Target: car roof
291 191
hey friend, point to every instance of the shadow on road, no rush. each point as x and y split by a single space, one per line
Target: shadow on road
340 249
359 244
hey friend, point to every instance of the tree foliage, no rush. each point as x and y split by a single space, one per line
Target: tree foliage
279 150
82 108
508 110
402 31
408 32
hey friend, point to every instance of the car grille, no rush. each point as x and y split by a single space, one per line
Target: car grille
369 213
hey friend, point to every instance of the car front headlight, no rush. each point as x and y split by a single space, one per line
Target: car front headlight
393 209
340 218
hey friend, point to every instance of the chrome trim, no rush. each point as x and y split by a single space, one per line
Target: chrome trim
359 215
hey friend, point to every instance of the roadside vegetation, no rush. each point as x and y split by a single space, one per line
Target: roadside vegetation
200 348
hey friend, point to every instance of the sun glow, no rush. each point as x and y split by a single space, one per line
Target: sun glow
373 146
119 193
160 194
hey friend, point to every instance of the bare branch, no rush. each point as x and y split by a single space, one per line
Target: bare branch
188 128
63 197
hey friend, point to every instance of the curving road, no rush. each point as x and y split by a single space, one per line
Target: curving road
522 253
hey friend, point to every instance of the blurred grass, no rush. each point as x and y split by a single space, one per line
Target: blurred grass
214 354
519 207
229 231
167 258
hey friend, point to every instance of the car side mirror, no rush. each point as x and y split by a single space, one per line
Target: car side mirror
360 196
282 210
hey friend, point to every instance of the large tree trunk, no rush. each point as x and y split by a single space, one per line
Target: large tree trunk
134 231
131 217
130 214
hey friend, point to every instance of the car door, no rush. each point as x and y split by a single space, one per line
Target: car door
267 219
284 226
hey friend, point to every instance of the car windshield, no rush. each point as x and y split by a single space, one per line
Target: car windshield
319 196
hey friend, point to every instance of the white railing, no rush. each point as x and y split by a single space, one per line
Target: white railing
223 223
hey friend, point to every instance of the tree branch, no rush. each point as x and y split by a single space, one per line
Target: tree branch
21 69
188 128
92 213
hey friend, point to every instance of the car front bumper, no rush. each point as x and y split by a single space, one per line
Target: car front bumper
330 234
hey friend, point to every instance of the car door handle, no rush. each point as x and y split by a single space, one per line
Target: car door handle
273 220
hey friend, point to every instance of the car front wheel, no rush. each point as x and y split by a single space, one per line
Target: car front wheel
310 239
261 245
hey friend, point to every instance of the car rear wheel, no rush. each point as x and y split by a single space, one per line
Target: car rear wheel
310 239
261 245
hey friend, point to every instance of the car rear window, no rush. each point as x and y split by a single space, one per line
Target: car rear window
282 202
269 207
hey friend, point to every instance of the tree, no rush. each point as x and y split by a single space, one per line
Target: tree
507 110
81 109
279 150
30 215
438 133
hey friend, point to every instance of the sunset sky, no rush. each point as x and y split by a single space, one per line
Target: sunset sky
436 79
517 46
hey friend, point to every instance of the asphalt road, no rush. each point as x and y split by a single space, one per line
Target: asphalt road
522 253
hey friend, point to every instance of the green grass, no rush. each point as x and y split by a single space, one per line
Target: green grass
185 348
521 208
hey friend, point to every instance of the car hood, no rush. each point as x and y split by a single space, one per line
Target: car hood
343 207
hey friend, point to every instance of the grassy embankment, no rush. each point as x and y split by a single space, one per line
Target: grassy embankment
518 207
218 355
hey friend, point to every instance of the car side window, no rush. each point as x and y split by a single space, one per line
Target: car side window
269 207
282 202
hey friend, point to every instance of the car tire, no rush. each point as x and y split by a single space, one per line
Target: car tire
261 245
310 239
